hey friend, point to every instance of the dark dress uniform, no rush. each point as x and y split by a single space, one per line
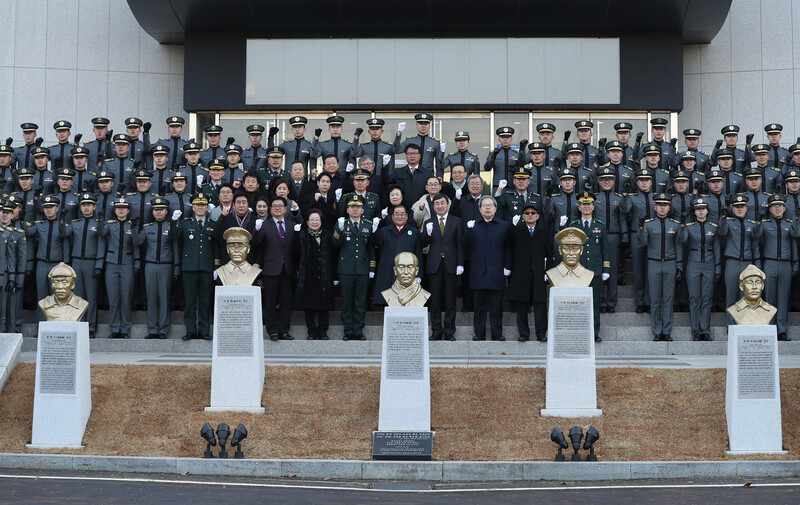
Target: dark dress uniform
356 262
195 239
778 156
564 204
371 205
252 156
543 177
98 149
470 160
23 156
17 243
337 146
609 208
623 176
211 153
8 265
431 156
315 273
121 261
376 149
742 158
123 168
740 248
60 155
176 156
552 156
639 206
192 172
297 149
665 150
502 160
87 251
596 258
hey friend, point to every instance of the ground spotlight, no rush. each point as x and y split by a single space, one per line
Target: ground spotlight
575 436
239 434
207 432
592 436
223 432
557 436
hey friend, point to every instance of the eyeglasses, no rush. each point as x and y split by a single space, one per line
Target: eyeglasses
530 213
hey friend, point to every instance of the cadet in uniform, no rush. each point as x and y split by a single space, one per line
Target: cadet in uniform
121 264
23 156
771 176
43 180
543 177
609 208
659 238
757 205
161 176
552 156
174 142
6 170
214 150
503 159
733 181
298 148
69 201
703 266
252 156
592 157
778 246
623 134
462 155
273 169
86 249
356 265
49 236
639 206
730 135
7 267
122 166
371 201
585 175
691 137
661 175
658 127
17 246
511 202
140 149
196 174
336 145
139 201
233 171
778 156
431 151
105 195
195 235
564 204
99 148
740 246
624 179
85 179
59 153
179 199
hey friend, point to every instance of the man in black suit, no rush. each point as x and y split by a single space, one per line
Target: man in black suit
468 211
276 237
442 234
412 179
242 217
300 188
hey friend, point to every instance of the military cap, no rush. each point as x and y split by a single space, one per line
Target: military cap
25 172
375 123
11 203
584 125
776 199
623 127
6 150
213 129
29 127
586 197
361 173
62 270
615 145
738 200
180 176
752 173
794 149
691 133
760 149
62 125
658 122
255 129
216 164
233 148
462 135
531 204
714 175
546 128
606 173
652 149
724 153
773 128
100 122
65 173
504 131
423 117
142 175
791 175
522 173
40 151
355 200
751 271
574 147
688 155
298 120
567 173
79 152
199 199
731 129
122 202
122 138
237 234
105 176
133 122
88 198
162 149
537 147
335 120
662 198
276 152
644 173
680 175
49 201
192 147
699 203
159 203
571 236
175 121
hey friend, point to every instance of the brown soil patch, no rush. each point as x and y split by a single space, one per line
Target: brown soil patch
330 413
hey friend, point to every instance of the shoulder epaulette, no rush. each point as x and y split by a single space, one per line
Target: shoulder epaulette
649 220
715 225
109 159
110 221
675 221
148 224
36 222
75 220
601 222
751 221
452 153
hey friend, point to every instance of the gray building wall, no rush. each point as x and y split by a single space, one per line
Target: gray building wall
748 75
77 59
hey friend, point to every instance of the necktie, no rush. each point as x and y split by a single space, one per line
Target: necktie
441 225
281 230
531 230
586 227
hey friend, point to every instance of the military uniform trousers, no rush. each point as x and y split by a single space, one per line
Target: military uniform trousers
43 282
86 287
608 292
119 284
278 290
699 280
777 286
198 290
354 302
158 281
597 293
733 268
641 286
5 314
661 280
442 286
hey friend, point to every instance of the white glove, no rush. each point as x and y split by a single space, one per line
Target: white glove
375 224
199 180
249 209
458 194
502 184
471 223
215 275
259 224
563 220
545 278
506 272
605 276
515 220
401 126
386 159
338 193
418 279
429 228
350 167
335 283
443 145
372 275
176 215
211 207
385 212
297 227
459 270
340 222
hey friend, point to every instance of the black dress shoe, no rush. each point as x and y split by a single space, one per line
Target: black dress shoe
620 281
666 337
647 308
324 336
274 337
783 337
541 339
162 336
189 336
476 338
151 336
206 337
657 338
451 338
597 339
361 337
697 338
286 336
523 339
707 337
91 334
113 335
124 335
639 309
610 310
346 337
499 339
435 337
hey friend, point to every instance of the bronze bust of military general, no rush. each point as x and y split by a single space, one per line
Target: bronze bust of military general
405 292
237 272
751 308
570 272
63 304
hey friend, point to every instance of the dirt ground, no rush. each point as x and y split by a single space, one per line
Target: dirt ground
330 413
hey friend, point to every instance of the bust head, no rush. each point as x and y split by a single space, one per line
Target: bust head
406 268
570 245
238 244
751 282
62 280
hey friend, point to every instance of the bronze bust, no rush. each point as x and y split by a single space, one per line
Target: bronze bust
751 308
237 272
63 304
405 292
570 272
